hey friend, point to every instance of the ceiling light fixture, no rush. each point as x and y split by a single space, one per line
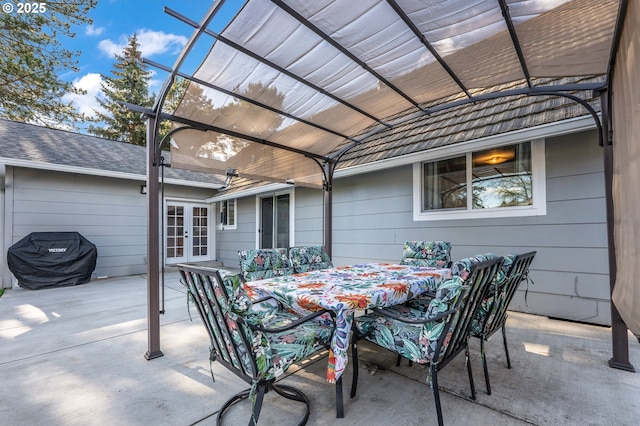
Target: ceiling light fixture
496 159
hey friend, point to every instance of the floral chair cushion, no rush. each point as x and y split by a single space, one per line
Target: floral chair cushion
495 298
417 342
311 258
239 299
427 253
460 268
274 352
264 263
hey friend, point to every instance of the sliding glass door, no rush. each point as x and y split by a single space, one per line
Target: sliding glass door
187 232
274 229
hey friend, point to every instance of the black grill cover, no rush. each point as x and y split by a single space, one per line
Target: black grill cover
52 259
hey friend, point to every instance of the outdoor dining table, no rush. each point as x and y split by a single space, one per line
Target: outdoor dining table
345 290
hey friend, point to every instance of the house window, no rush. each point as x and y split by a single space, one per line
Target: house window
502 177
227 214
494 182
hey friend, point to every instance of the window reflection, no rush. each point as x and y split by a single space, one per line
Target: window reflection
499 177
502 177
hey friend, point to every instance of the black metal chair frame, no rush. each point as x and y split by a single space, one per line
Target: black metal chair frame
202 282
518 271
480 277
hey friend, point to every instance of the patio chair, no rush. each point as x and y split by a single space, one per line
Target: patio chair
492 314
309 258
264 263
435 337
258 346
427 253
422 302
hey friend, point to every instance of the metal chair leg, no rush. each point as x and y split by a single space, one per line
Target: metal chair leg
436 393
484 365
282 390
257 406
354 377
339 399
237 397
506 348
294 394
399 358
471 383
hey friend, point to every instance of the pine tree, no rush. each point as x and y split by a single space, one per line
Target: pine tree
32 56
129 83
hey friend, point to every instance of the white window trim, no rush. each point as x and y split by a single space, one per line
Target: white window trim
539 187
219 225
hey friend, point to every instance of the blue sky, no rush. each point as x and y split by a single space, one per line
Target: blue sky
161 39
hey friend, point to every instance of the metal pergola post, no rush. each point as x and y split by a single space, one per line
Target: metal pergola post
619 330
327 201
153 242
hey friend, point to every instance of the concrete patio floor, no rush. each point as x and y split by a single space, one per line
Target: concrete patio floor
75 356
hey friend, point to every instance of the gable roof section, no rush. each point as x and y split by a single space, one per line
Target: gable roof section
32 146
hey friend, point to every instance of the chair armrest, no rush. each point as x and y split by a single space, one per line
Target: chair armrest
293 324
392 314
266 298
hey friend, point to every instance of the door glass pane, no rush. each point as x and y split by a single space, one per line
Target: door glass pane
199 243
282 220
266 220
175 231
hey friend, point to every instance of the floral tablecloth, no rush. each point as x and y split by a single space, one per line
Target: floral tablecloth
346 289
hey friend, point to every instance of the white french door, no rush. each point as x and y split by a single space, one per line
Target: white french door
187 232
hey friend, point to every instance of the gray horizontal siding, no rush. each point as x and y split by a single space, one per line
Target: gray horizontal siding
373 217
230 241
111 213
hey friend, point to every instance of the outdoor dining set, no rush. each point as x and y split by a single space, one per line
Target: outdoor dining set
290 303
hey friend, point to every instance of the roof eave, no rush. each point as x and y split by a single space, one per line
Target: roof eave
29 164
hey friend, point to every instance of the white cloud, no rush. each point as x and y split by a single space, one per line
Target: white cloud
93 31
87 104
154 83
151 43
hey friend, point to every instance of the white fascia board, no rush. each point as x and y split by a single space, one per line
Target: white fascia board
253 191
191 183
14 162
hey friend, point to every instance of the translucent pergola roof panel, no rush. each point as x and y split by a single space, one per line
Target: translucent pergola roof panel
292 84
221 154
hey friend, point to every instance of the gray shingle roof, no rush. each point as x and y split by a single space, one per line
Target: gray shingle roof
469 122
22 141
